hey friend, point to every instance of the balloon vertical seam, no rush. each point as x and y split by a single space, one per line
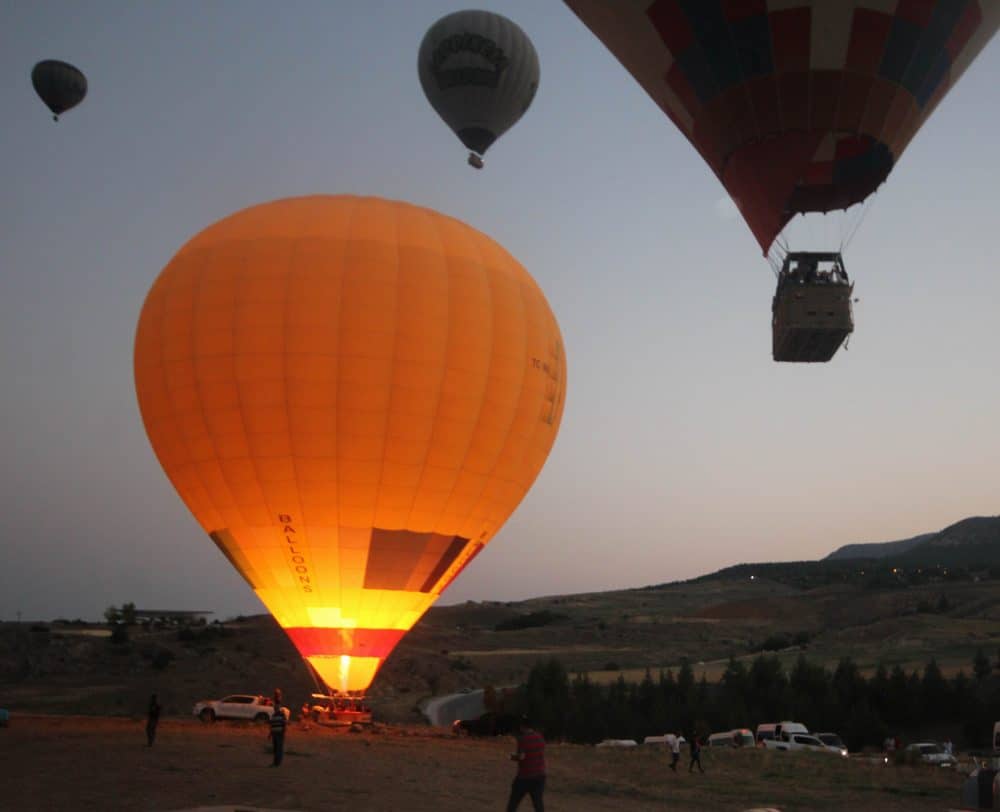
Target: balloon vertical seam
472 435
436 224
243 261
349 232
195 466
491 476
286 321
393 212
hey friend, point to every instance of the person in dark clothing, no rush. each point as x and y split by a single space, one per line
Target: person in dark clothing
695 754
530 758
278 724
152 719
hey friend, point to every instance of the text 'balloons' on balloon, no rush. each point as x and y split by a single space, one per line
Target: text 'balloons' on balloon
60 85
801 106
480 73
351 395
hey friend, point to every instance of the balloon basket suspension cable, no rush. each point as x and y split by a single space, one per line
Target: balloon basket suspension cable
777 253
865 206
318 683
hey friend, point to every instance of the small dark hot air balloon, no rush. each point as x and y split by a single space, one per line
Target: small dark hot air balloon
60 85
480 73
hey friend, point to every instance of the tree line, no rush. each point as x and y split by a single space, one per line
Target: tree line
863 710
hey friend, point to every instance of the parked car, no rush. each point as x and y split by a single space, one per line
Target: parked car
254 707
929 753
489 724
833 742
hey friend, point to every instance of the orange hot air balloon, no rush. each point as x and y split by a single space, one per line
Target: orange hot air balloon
351 395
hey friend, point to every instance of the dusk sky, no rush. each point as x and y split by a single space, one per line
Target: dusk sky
684 448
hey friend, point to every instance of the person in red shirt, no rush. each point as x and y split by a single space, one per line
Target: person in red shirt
530 758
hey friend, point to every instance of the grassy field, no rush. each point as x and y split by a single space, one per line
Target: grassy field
103 764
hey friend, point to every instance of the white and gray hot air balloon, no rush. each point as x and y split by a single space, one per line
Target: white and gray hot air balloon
480 72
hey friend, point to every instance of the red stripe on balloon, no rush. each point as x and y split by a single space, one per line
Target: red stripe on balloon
325 642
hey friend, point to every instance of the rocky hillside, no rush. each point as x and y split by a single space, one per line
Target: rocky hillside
876 549
971 542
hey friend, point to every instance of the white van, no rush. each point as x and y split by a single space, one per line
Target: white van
666 739
769 733
738 737
617 743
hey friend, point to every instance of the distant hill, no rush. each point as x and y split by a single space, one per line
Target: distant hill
960 551
877 549
969 542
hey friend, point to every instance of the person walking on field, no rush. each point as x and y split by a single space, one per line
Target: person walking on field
278 724
530 758
695 754
152 720
675 751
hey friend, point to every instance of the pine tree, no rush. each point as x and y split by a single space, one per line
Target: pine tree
981 665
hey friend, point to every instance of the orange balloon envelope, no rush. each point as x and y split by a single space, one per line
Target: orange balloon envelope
351 395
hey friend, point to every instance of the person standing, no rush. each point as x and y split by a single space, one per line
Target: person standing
675 751
152 720
530 758
278 725
695 753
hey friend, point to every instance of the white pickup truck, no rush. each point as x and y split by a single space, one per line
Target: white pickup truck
797 741
789 736
254 707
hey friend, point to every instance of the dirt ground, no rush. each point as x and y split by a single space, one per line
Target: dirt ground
91 763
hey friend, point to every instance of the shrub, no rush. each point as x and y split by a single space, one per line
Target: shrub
528 621
461 664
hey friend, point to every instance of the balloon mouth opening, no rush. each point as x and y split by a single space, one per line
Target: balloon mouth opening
477 139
